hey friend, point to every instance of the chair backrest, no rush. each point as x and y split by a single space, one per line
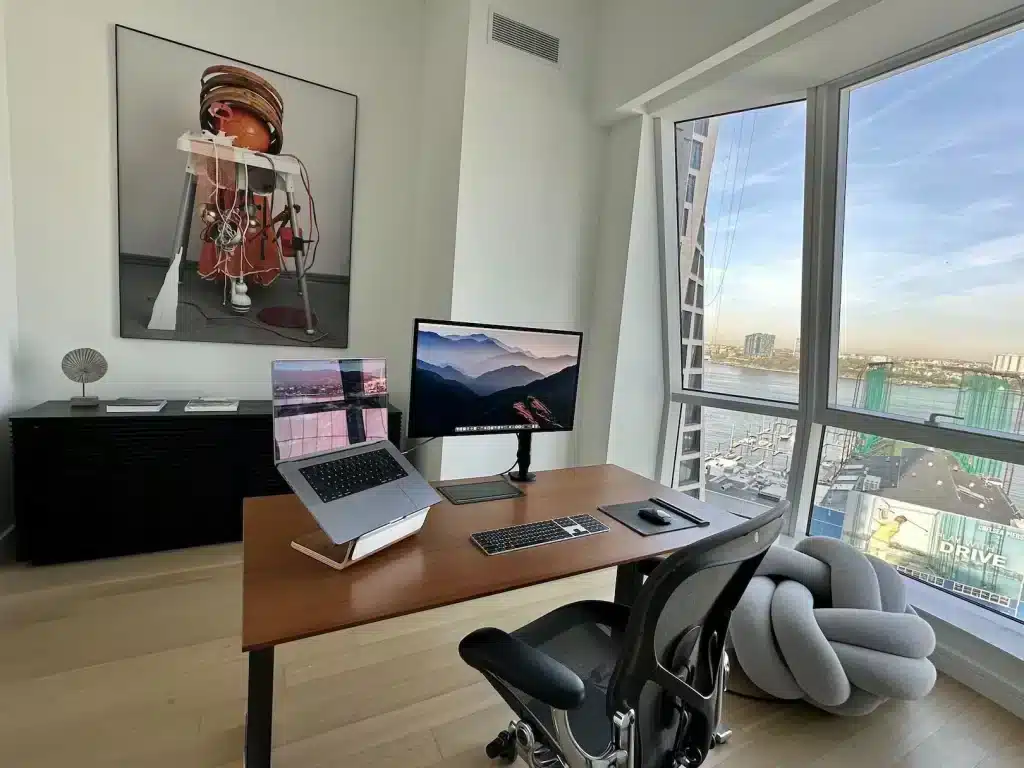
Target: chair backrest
676 634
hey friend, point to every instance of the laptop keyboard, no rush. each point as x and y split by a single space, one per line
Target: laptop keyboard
346 475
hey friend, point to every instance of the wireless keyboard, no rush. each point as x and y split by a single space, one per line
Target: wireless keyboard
501 540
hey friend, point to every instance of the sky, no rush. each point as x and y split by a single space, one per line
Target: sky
933 240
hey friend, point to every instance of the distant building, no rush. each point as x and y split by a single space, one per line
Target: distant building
759 345
1008 364
695 154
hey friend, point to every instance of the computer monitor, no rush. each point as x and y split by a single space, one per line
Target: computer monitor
321 406
472 379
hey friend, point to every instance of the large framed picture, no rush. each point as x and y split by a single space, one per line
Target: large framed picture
235 199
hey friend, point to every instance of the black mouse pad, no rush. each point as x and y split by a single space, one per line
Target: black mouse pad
627 515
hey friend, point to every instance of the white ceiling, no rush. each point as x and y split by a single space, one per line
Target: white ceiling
874 34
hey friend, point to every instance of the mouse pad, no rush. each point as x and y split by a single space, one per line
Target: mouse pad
627 515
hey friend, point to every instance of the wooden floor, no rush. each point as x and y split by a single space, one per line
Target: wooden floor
137 662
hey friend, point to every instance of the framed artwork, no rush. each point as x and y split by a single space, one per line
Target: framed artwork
235 198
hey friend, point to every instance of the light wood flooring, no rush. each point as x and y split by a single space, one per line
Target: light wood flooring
137 662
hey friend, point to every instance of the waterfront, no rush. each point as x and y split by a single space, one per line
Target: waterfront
723 428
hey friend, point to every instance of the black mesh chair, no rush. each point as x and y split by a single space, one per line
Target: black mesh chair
598 684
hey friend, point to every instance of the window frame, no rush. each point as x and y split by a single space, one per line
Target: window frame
821 270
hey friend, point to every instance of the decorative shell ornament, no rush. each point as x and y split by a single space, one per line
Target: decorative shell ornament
84 366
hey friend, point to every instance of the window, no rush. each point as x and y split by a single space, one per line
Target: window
752 188
853 340
942 517
696 151
746 460
686 221
689 442
933 273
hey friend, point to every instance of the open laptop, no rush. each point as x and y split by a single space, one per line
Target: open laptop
331 447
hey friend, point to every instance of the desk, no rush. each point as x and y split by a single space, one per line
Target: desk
287 596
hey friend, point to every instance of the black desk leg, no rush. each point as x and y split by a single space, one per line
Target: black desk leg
628 581
259 718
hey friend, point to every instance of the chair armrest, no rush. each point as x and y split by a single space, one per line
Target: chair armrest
522 666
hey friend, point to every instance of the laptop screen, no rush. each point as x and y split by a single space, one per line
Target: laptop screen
322 406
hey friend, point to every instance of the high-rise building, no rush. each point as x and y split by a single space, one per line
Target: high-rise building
759 345
695 154
1008 364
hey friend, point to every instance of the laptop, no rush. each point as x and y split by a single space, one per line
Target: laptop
331 446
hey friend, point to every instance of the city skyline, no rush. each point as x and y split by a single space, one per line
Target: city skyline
933 260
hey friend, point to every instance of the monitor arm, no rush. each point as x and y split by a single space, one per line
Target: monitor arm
523 474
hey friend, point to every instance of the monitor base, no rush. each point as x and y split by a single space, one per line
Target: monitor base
522 477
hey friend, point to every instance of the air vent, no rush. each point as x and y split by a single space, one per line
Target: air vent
525 38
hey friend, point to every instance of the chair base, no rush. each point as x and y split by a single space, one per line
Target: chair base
518 740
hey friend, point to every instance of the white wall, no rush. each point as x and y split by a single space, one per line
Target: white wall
639 396
620 152
437 193
8 293
60 64
527 198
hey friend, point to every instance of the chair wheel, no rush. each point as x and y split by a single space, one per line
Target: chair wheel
502 748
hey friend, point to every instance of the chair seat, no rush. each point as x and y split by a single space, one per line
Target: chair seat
587 638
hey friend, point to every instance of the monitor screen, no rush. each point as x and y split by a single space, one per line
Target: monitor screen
473 379
324 405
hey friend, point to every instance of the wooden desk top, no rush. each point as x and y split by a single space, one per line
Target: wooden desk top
288 596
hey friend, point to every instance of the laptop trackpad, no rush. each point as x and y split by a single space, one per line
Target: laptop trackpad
382 505
361 513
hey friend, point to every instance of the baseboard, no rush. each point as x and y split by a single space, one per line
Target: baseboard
981 677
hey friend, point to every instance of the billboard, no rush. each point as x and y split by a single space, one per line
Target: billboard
977 559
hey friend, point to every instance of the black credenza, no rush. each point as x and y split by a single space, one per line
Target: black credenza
90 484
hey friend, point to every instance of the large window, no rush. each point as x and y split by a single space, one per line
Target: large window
933 240
846 332
748 198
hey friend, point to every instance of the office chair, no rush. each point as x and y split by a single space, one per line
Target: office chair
601 685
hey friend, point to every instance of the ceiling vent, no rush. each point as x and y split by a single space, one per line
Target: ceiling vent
525 38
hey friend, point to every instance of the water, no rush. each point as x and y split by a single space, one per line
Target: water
721 426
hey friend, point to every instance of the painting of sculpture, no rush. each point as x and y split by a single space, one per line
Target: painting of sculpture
235 189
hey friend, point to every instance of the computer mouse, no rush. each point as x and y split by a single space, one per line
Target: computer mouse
654 516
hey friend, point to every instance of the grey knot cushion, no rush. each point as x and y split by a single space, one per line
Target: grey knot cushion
825 623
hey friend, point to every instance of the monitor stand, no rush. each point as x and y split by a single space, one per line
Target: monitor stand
523 474
493 490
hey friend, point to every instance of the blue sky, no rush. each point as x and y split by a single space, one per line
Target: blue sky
933 260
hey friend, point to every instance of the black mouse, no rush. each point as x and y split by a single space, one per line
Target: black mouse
654 516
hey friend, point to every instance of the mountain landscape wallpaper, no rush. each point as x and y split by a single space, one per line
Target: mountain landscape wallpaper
470 380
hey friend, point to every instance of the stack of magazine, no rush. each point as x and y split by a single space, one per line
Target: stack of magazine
135 405
212 405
